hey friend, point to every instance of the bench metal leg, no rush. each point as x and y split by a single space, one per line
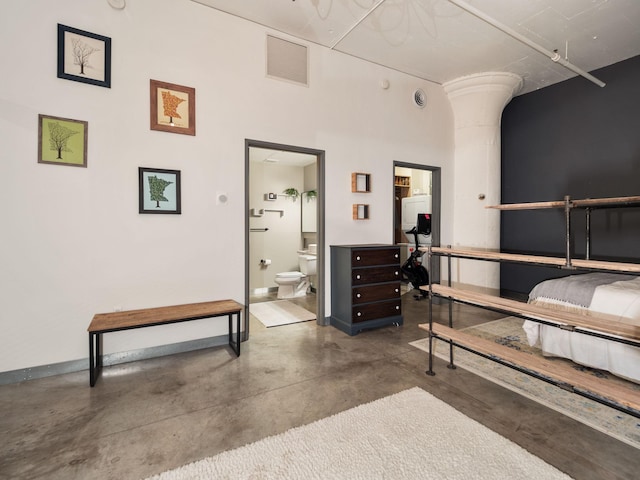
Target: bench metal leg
95 357
234 345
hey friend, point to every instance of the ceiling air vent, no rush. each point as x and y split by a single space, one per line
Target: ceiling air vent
287 60
420 98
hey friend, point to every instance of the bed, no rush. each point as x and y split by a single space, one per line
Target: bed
609 293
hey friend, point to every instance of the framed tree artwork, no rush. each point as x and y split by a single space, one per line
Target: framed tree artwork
84 56
159 190
173 108
62 141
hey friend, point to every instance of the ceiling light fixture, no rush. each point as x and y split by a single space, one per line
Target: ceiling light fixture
554 56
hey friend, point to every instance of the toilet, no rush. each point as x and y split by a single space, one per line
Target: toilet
296 284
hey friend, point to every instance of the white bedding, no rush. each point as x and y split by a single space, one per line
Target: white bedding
621 299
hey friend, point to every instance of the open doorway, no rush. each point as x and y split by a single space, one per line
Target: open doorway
416 190
284 224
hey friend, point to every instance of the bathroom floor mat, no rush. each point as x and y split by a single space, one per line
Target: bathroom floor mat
280 312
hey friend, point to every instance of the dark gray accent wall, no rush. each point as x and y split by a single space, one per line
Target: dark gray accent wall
573 138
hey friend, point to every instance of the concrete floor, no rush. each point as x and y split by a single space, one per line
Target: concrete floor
146 417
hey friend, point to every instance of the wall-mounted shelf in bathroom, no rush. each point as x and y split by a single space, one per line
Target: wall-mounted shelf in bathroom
360 182
281 212
258 212
360 211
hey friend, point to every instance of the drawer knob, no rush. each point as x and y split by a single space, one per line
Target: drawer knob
358 257
358 295
397 307
396 272
396 255
358 277
397 290
359 314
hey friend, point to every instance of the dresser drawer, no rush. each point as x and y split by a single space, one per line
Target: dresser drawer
369 257
371 311
361 276
373 293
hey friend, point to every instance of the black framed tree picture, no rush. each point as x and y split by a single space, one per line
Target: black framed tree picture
84 56
159 190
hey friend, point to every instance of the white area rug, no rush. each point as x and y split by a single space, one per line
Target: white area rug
281 312
409 435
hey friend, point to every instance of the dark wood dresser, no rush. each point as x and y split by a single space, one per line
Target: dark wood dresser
365 287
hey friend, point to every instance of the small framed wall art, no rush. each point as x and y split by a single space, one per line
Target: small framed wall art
62 141
173 108
159 190
84 56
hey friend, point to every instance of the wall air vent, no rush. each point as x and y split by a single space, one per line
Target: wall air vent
420 98
287 61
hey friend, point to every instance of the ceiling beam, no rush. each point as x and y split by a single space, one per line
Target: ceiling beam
554 56
362 19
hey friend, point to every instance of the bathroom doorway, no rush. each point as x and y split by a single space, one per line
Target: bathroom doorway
416 189
284 223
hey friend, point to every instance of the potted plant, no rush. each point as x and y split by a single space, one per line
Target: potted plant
291 192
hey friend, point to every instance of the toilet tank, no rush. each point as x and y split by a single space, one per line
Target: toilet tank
307 264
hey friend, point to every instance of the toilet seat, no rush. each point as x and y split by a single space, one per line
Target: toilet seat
290 275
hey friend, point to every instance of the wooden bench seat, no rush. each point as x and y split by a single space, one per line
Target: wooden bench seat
147 317
557 373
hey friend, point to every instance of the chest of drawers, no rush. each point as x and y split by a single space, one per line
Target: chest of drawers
365 287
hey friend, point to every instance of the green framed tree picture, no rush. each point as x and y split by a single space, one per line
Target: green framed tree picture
159 190
62 141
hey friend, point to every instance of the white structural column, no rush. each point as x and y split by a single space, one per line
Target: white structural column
478 101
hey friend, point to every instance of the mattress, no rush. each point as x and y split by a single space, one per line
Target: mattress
612 294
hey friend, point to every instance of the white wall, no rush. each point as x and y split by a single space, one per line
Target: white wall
73 243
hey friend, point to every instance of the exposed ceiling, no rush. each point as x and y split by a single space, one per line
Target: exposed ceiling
442 40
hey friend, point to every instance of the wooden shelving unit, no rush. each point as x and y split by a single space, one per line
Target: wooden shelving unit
360 211
360 182
602 326
569 204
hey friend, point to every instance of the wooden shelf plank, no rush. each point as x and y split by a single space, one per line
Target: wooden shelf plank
604 324
535 259
528 205
607 202
580 203
564 374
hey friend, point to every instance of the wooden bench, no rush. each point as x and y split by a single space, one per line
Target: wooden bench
148 317
562 375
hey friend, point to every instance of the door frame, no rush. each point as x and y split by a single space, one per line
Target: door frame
436 206
320 274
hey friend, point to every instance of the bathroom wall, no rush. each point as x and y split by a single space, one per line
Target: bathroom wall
281 242
73 242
